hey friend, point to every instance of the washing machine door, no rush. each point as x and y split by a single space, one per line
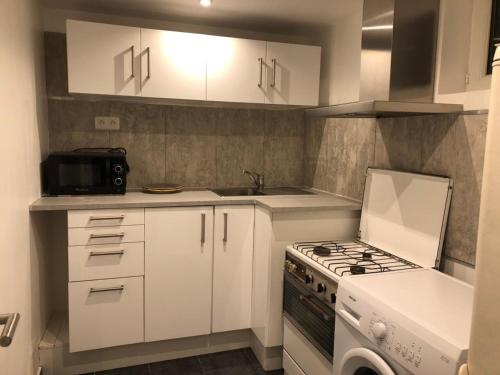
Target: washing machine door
362 361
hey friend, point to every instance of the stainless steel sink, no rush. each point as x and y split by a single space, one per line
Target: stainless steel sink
248 192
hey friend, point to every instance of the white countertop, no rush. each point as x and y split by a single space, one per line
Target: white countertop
277 203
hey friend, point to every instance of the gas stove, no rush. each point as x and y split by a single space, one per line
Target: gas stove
342 258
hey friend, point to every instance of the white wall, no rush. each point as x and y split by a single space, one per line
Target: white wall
23 138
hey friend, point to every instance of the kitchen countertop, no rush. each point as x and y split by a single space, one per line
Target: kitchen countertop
277 203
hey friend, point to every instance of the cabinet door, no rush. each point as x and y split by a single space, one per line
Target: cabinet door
233 257
293 73
178 272
103 59
235 70
173 65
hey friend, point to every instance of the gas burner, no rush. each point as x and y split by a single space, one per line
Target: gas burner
321 251
357 270
367 256
351 257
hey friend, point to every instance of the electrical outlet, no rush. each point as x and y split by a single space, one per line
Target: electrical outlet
107 123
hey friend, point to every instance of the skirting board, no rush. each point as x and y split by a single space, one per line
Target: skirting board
56 359
270 358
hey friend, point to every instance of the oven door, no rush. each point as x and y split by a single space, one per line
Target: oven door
311 316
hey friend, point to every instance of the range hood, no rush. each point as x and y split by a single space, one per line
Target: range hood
398 54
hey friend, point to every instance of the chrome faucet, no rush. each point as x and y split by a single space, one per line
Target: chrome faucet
257 179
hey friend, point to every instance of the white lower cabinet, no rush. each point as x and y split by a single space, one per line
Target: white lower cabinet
105 313
233 257
178 272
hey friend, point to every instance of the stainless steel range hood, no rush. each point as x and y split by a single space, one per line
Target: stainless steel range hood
398 53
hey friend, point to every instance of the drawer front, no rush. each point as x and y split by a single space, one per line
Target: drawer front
105 218
105 235
105 313
290 366
105 261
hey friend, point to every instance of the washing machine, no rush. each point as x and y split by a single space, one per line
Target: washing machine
399 323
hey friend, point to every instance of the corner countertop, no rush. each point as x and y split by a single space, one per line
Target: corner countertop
277 203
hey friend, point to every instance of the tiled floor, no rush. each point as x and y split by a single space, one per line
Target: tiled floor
235 362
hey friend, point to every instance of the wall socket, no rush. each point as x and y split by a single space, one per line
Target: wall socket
107 123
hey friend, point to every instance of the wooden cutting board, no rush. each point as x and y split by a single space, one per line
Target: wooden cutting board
162 188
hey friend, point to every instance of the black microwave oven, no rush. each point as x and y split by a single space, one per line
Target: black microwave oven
85 172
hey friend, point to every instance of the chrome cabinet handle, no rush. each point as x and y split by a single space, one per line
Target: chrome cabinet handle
108 289
107 235
101 253
261 62
9 322
114 217
225 227
133 62
273 84
203 228
148 51
314 307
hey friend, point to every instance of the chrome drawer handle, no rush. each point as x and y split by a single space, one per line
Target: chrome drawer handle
108 289
107 235
261 62
224 239
273 84
119 217
203 228
10 324
101 253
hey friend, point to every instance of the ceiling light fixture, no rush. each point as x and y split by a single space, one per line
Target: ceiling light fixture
206 3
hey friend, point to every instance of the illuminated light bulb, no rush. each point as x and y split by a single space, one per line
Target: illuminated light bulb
206 3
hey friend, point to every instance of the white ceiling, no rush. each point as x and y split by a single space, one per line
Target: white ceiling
266 13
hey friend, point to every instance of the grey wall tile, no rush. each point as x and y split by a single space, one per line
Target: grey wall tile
316 153
240 145
56 68
142 129
191 145
284 148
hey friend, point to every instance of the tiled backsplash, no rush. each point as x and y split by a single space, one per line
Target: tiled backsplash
338 151
193 146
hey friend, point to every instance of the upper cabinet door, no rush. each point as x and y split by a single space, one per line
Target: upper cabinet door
293 73
235 70
103 59
173 65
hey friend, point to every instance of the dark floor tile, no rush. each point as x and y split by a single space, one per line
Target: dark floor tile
235 362
182 366
275 372
134 370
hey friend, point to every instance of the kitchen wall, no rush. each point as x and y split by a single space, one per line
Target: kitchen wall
23 141
193 146
338 151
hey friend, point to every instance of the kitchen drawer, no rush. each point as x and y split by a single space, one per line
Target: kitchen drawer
105 218
105 235
105 261
290 366
105 313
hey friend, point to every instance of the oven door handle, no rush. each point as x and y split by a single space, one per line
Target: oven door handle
313 306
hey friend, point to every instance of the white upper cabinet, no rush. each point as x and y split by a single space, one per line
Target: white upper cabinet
235 70
233 258
173 65
293 73
103 59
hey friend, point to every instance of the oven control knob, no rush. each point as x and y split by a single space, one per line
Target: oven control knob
379 330
118 168
118 181
321 288
309 279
